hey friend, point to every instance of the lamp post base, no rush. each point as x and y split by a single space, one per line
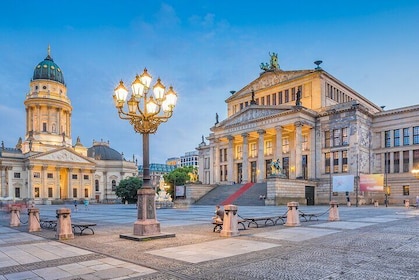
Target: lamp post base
147 227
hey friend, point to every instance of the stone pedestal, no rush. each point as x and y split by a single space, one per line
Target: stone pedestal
334 211
64 229
146 223
15 216
33 220
230 221
293 217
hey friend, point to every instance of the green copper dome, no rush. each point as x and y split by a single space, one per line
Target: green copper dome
48 70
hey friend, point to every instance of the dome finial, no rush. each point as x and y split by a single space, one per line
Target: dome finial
49 50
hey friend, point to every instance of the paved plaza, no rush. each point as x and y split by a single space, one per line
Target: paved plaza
367 243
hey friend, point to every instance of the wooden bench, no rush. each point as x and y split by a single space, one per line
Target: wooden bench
81 227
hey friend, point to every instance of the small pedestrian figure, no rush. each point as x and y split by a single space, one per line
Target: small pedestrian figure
86 204
75 205
219 214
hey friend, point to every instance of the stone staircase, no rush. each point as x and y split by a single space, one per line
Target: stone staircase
249 198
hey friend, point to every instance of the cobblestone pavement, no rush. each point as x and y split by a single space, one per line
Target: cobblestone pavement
367 243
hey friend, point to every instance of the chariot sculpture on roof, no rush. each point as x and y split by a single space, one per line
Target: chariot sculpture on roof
272 65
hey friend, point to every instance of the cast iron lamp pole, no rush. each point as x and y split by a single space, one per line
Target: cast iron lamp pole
145 113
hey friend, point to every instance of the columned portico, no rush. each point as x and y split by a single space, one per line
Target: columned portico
245 153
261 156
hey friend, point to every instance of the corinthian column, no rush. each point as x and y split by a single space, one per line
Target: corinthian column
245 164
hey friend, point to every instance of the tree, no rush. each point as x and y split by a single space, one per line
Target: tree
127 189
178 177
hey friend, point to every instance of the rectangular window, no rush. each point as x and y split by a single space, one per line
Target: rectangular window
396 162
253 150
280 98
327 162
262 101
221 155
50 175
415 158
406 190
49 192
396 137
336 162
37 175
86 192
286 166
387 138
74 193
416 135
405 136
239 151
345 136
274 99
337 138
287 96
17 192
405 161
387 162
268 100
268 147
16 175
293 94
304 144
36 192
285 145
327 139
74 176
344 161
86 177
241 106
44 127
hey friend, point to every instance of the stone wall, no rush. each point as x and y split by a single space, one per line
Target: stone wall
281 191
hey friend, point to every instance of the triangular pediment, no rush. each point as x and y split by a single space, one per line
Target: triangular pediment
62 155
269 79
254 113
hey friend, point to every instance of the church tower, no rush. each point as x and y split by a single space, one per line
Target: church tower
48 109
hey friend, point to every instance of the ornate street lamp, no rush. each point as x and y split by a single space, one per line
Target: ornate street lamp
145 113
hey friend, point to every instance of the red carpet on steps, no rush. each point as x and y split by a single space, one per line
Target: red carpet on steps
237 194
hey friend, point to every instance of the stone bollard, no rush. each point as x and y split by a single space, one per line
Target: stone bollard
293 217
15 216
33 220
334 211
230 222
64 229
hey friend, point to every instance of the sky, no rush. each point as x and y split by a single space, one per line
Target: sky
204 49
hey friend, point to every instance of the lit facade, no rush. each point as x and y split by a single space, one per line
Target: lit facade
45 165
318 127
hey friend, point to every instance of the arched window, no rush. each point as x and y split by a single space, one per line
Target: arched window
96 185
113 185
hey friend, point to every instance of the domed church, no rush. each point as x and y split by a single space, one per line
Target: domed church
45 166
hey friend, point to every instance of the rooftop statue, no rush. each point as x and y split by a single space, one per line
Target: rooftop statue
273 65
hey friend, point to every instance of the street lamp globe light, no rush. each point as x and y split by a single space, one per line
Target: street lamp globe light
145 112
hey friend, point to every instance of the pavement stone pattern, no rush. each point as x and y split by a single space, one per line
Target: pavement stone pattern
367 243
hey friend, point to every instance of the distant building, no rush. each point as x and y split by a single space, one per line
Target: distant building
190 159
317 127
174 161
45 166
157 170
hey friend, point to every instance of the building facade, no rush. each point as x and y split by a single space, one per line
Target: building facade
317 127
45 165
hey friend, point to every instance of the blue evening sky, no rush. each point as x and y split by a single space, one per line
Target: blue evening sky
204 49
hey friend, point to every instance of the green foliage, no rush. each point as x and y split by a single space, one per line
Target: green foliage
178 177
127 189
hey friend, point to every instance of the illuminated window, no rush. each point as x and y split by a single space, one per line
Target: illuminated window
268 147
239 151
37 175
344 161
253 150
285 145
36 193
335 162
327 162
327 139
406 190
305 142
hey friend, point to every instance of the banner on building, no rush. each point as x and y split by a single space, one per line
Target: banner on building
180 191
371 182
343 183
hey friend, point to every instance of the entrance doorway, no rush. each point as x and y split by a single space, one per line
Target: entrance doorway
309 195
239 173
253 172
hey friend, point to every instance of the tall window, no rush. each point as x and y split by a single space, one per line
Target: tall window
17 192
416 135
396 137
396 162
36 194
86 192
253 150
335 162
415 158
405 136
387 139
49 192
268 147
345 136
286 166
405 161
406 190
113 185
274 98
280 97
305 142
344 161
74 193
327 162
327 139
44 127
239 151
285 145
96 185
387 162
293 94
337 137
287 96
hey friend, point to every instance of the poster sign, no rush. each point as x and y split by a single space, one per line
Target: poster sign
371 182
180 191
343 183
